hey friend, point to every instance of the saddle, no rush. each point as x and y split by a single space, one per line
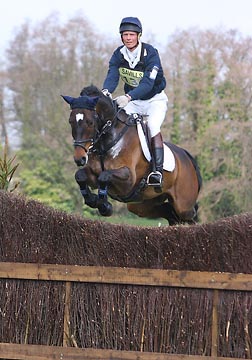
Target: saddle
145 141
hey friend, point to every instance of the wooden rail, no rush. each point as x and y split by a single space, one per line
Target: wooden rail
114 275
130 276
41 352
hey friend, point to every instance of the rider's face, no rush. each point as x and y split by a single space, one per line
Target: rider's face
130 39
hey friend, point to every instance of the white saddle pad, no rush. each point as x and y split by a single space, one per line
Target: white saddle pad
169 159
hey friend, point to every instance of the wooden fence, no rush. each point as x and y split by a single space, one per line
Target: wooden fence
115 275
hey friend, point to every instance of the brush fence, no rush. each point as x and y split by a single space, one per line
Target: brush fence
69 275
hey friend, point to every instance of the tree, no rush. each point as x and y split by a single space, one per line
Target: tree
209 86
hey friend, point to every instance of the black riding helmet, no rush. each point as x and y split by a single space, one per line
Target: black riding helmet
131 24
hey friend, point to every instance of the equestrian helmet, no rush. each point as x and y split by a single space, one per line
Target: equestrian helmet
130 24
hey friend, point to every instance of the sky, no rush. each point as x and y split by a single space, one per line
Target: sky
160 18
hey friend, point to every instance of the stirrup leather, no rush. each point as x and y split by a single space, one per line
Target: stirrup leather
157 180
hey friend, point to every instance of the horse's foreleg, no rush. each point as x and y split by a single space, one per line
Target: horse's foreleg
104 206
90 198
117 178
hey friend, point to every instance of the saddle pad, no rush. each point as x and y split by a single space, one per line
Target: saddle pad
169 159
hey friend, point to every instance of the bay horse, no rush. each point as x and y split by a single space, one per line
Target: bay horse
108 150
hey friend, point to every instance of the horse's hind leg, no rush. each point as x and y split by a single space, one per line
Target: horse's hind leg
189 216
193 215
151 210
167 211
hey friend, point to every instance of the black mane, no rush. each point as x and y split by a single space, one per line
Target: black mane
91 90
105 107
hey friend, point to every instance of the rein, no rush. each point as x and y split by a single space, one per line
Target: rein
101 150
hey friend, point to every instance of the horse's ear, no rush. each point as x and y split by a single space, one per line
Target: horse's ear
92 101
82 102
68 99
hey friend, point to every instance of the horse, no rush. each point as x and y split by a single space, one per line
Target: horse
109 152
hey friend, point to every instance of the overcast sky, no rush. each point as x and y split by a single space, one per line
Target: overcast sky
160 18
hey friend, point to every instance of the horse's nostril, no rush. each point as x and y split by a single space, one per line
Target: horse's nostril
80 162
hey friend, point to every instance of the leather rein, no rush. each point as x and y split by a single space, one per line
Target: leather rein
98 145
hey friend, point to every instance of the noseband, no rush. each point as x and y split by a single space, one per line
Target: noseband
79 143
98 134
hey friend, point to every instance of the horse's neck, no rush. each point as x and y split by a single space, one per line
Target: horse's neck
105 109
113 129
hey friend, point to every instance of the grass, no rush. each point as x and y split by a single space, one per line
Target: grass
131 219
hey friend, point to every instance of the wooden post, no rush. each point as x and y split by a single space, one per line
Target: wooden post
66 336
214 347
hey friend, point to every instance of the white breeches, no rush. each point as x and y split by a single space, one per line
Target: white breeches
154 108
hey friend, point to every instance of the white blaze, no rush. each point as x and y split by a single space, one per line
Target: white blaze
79 117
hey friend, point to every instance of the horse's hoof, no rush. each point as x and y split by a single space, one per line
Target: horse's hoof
92 201
105 209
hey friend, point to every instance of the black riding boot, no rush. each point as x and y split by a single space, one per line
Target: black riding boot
155 177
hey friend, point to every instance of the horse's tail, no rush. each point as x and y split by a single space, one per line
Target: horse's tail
197 169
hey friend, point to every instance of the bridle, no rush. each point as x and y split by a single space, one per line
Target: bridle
79 143
100 147
100 132
96 139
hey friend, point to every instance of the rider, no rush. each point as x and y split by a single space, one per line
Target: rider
139 66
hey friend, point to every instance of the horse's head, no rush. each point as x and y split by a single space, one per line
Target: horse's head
89 113
83 123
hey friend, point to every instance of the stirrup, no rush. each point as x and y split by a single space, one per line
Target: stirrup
154 178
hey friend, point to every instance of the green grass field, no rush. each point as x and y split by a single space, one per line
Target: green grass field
129 220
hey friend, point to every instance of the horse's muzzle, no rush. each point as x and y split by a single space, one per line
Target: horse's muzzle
80 161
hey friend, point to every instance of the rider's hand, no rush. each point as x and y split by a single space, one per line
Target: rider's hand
106 93
123 100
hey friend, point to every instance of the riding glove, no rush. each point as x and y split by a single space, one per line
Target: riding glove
123 100
106 93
